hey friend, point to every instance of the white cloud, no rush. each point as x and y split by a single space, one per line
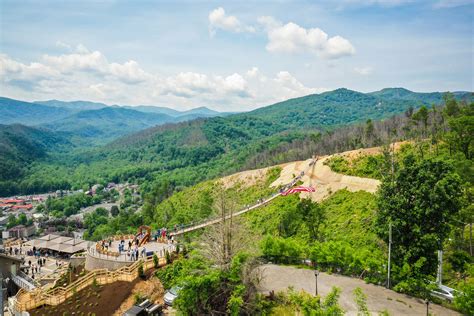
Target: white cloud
292 38
190 84
11 70
235 83
218 19
251 73
364 71
292 86
90 76
84 60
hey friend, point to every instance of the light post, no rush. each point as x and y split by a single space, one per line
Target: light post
316 273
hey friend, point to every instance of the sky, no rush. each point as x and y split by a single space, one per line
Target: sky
231 55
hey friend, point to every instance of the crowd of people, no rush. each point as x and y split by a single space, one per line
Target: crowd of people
32 259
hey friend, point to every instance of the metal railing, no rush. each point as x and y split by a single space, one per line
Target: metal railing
210 221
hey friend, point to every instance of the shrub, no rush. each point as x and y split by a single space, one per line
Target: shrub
141 273
94 283
155 261
464 300
168 257
361 301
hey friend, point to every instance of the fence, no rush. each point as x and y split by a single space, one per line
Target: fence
26 300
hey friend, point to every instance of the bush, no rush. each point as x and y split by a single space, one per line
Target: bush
464 300
155 261
361 301
282 250
141 273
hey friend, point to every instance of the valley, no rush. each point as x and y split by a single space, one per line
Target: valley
228 176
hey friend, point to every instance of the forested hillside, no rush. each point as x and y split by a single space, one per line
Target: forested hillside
91 123
190 152
21 145
107 123
423 98
426 196
14 111
343 106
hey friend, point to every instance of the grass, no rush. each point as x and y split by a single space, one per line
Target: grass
366 166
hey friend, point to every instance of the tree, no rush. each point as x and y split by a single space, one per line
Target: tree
313 216
114 210
422 116
22 219
11 221
224 239
369 129
420 203
461 136
451 105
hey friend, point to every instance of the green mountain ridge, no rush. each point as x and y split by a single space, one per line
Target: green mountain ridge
21 145
427 98
108 122
92 123
192 151
26 113
73 105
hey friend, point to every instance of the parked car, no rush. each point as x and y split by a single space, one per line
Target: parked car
171 295
444 292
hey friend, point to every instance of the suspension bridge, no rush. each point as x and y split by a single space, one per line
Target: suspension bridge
262 202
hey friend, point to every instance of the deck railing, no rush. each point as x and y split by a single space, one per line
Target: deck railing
27 300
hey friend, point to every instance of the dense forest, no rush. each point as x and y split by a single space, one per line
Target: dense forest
189 152
426 196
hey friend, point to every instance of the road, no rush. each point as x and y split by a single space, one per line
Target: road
279 278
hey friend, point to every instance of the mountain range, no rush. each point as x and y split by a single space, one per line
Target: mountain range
118 144
97 122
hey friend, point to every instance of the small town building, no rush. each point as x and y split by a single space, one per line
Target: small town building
21 231
24 207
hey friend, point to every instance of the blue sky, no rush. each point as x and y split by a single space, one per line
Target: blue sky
230 55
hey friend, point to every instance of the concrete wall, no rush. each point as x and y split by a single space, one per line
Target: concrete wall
100 263
6 264
77 261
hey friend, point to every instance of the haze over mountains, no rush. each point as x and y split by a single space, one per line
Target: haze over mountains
96 121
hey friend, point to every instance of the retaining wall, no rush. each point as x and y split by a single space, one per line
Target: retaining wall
111 264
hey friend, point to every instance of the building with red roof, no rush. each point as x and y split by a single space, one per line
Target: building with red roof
22 207
11 201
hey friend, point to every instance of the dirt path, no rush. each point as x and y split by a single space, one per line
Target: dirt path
320 176
323 179
279 278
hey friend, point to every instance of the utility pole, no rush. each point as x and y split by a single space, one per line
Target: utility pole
316 273
389 252
439 277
